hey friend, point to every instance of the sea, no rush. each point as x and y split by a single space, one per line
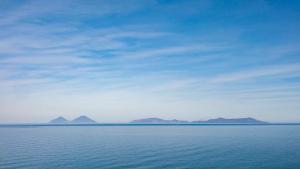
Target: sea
150 147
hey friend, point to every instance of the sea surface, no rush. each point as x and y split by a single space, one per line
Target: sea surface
150 147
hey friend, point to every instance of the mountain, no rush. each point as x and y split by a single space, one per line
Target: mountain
247 120
83 120
157 121
59 120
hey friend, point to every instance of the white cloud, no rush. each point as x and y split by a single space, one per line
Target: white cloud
265 71
174 50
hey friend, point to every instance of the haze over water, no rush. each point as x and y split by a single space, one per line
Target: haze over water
146 147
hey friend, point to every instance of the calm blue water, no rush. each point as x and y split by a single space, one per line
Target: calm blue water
146 147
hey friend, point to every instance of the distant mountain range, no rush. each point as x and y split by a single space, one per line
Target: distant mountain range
78 120
87 120
247 120
157 121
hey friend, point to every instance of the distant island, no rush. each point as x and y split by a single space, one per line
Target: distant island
247 120
158 121
87 120
78 120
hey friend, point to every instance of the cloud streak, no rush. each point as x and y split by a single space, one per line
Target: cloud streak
147 57
267 71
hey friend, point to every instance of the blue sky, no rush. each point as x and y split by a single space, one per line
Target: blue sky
116 61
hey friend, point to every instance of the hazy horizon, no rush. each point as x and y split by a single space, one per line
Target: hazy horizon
142 118
116 62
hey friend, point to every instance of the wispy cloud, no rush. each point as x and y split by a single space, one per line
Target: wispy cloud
266 71
177 50
33 11
146 56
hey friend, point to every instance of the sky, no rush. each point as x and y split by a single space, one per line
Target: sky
117 61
